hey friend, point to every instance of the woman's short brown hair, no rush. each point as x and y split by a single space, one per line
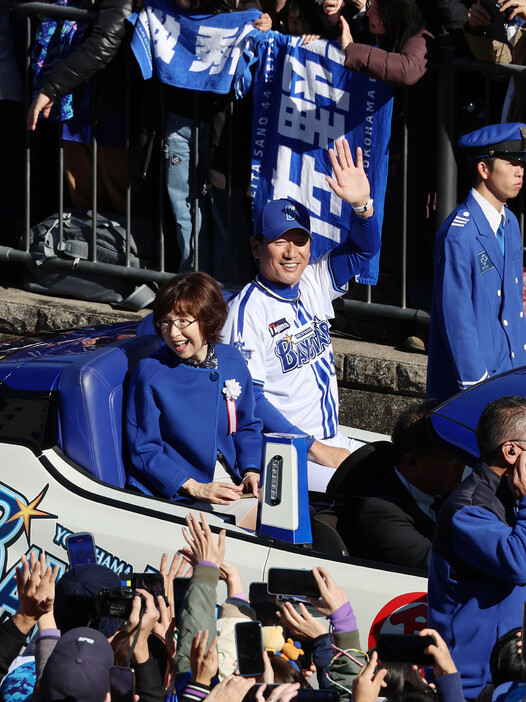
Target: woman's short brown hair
196 294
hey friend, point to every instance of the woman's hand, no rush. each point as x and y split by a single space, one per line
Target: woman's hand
514 8
478 16
148 620
202 543
250 483
366 687
345 37
233 688
283 693
179 568
332 10
332 596
263 23
444 664
203 662
40 104
301 624
307 38
351 183
213 493
36 592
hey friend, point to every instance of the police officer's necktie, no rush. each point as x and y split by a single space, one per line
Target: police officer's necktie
500 235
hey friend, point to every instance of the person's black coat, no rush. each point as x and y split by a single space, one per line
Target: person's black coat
388 526
97 49
11 641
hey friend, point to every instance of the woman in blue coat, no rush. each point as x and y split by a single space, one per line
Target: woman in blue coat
190 415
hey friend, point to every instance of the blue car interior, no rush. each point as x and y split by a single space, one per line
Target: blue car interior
92 404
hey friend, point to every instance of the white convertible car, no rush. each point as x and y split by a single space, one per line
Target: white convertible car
63 470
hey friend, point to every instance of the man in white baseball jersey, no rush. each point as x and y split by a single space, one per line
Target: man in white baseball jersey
279 321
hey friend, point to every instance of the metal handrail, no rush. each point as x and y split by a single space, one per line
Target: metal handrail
450 65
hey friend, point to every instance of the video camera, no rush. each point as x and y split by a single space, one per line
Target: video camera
115 603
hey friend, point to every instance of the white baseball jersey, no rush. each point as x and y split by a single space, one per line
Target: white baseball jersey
287 346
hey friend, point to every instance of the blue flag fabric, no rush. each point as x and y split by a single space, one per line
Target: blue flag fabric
206 53
305 99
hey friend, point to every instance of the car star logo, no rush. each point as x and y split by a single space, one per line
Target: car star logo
29 510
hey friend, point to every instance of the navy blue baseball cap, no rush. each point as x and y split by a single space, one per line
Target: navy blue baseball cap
78 669
500 140
280 216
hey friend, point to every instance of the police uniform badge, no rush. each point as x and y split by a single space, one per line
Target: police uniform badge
484 262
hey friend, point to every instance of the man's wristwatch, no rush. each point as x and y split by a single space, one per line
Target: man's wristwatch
364 208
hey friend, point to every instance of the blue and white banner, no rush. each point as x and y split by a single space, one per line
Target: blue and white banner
304 100
197 52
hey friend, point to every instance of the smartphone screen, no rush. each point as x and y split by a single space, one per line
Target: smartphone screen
81 548
180 585
493 8
404 648
285 581
151 582
249 648
258 591
122 683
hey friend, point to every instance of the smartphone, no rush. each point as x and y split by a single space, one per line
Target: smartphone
249 648
151 582
180 585
285 581
122 683
258 591
493 7
81 548
404 648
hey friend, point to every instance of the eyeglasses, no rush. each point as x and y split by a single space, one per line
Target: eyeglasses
180 323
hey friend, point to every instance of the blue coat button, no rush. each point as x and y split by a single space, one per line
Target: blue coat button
214 376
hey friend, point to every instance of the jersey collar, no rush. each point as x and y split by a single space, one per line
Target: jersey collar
281 292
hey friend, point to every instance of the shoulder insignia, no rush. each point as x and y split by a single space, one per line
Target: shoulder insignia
460 219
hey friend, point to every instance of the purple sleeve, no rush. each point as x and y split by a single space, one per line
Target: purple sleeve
343 619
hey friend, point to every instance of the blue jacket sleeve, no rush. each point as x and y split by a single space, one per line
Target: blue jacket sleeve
487 543
449 688
350 257
455 313
322 654
145 442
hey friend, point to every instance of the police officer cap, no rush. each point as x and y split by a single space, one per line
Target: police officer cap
280 216
501 140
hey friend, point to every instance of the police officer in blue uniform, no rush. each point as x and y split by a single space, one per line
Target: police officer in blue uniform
478 327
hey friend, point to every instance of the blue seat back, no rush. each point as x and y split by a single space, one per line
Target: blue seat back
92 405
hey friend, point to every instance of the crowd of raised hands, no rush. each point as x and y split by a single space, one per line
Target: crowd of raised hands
198 656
